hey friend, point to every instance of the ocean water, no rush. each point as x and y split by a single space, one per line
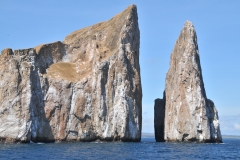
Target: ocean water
146 149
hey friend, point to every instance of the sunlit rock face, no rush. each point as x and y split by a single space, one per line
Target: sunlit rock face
189 115
85 88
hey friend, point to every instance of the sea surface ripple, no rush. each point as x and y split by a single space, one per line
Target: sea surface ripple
146 149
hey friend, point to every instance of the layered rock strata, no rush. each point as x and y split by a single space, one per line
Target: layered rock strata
189 115
85 88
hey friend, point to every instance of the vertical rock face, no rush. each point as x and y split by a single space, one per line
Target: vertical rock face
85 88
189 115
159 116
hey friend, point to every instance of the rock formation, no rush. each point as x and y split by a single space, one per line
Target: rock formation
85 88
189 115
159 116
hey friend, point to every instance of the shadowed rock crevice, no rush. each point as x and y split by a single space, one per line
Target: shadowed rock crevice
40 127
159 116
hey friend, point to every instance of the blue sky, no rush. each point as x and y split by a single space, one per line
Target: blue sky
27 23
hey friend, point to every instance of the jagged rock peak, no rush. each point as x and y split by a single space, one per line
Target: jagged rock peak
7 52
188 24
189 115
126 17
86 88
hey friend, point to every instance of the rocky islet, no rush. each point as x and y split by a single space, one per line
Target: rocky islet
85 88
185 111
88 88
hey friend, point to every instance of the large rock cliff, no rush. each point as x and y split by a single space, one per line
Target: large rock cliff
85 88
189 115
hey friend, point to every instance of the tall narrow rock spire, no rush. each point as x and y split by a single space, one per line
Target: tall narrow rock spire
189 115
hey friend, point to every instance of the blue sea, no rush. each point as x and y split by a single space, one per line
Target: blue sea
146 149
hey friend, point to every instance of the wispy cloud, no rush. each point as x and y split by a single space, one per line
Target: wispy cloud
237 126
148 125
148 118
230 125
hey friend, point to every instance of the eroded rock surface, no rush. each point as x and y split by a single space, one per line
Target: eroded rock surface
85 88
189 115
